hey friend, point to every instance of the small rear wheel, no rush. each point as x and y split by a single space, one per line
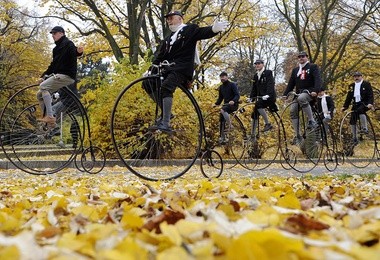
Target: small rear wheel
93 159
330 160
211 164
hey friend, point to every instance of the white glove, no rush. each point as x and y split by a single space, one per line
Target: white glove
219 26
146 73
265 97
56 95
249 100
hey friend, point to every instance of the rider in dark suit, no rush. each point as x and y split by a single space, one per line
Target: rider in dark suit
360 94
180 48
263 87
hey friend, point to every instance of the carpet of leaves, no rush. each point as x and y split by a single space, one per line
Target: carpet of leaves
111 215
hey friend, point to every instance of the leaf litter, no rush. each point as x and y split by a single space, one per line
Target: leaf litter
71 215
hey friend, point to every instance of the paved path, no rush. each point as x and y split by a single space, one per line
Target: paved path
116 167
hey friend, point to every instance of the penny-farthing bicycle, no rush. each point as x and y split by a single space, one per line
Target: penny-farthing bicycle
152 154
220 137
37 148
254 148
306 144
363 149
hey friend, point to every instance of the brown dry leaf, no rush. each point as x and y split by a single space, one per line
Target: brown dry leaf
302 224
102 216
49 232
169 216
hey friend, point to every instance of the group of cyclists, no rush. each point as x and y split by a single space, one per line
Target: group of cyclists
305 81
179 50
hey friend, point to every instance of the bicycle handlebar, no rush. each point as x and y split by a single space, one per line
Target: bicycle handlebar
164 63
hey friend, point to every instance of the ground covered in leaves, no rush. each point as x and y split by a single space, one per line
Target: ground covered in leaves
70 215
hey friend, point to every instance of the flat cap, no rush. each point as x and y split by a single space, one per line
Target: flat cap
258 61
57 29
223 74
357 73
174 13
302 53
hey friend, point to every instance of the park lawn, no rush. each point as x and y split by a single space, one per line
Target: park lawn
114 215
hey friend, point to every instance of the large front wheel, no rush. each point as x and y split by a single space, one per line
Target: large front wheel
31 145
357 139
301 147
255 148
149 153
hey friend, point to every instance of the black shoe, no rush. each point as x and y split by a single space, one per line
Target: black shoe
164 128
364 131
355 142
159 119
267 127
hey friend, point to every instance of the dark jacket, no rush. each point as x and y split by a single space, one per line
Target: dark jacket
366 94
309 79
182 51
330 106
228 91
64 59
263 86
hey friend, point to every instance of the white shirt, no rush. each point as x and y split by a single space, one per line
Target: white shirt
260 72
300 68
175 35
325 108
357 91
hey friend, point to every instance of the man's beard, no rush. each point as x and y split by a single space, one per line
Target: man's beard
174 27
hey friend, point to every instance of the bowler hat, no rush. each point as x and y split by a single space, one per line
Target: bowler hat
174 13
57 29
302 53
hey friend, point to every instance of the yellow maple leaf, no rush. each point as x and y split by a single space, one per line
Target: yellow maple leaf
131 220
173 253
9 253
267 244
289 200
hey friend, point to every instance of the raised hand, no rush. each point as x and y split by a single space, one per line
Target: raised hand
219 26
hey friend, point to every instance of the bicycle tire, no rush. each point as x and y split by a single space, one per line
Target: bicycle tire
215 142
31 145
332 156
259 150
211 164
330 160
150 154
93 159
360 154
309 148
